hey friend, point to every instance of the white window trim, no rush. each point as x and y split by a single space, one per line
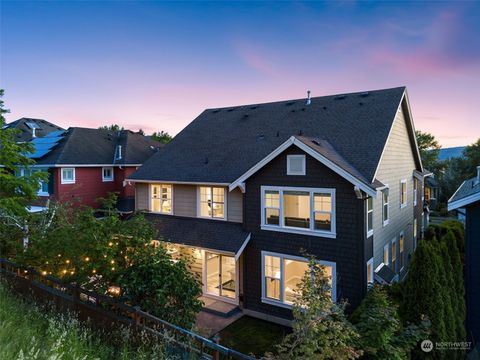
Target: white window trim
385 222
104 179
387 248
225 208
370 262
415 191
403 205
287 229
63 181
400 252
304 169
150 198
369 232
282 272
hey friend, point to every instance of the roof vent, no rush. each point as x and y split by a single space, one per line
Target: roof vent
324 108
364 94
339 97
309 100
261 137
360 103
300 132
230 110
215 111
278 133
316 142
245 116
253 107
206 160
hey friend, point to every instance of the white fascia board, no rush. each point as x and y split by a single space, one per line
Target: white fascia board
85 165
464 202
293 141
240 251
176 182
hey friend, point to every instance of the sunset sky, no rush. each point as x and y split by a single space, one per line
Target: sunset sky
157 65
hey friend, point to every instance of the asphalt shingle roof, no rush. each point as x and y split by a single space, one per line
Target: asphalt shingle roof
222 144
469 187
203 233
25 132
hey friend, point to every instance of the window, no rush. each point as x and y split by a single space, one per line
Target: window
161 199
107 174
282 275
296 165
402 253
403 193
42 186
370 271
385 254
415 186
394 255
68 175
369 217
299 210
212 202
415 231
385 195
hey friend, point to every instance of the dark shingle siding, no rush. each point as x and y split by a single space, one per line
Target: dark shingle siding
221 144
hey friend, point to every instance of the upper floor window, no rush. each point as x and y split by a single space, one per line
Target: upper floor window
386 260
43 185
299 210
385 200
161 201
68 175
415 232
394 255
403 193
415 186
296 165
369 217
107 174
370 271
402 253
212 202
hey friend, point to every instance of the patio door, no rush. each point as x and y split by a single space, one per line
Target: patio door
220 275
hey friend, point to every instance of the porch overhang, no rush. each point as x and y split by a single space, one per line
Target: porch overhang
217 235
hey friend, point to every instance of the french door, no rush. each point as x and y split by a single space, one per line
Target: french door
220 275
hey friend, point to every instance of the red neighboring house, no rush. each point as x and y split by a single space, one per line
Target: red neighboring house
86 164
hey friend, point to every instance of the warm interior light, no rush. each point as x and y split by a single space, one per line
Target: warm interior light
114 290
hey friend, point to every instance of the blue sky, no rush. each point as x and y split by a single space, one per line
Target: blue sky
157 65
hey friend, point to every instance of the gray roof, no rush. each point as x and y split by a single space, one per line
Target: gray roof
469 187
220 145
203 233
25 132
83 146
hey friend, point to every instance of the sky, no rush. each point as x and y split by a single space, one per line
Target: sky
157 65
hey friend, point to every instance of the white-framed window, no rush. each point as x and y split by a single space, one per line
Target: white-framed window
369 217
370 271
385 204
298 210
386 259
281 275
161 197
415 233
296 165
107 174
67 175
394 255
212 202
415 187
42 186
401 244
403 193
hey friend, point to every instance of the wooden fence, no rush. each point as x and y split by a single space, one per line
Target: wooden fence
105 311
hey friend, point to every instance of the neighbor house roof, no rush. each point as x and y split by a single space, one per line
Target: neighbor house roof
202 233
467 193
83 146
26 126
220 145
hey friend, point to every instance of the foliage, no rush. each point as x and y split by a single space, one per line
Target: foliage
162 137
320 327
429 150
112 127
382 335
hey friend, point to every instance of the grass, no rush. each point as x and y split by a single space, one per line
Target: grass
253 336
31 332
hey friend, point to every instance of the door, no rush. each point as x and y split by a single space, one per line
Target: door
220 275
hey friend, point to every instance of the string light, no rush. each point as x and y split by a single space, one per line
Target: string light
112 262
113 269
67 262
64 271
94 271
44 273
110 243
87 259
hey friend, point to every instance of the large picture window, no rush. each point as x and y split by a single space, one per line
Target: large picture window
161 201
282 275
212 202
299 210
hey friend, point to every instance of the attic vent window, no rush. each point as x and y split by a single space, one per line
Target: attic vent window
296 165
118 152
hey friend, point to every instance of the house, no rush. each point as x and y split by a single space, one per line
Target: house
248 190
467 197
29 128
86 164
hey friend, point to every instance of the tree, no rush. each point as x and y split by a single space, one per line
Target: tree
472 159
162 137
320 327
429 150
112 127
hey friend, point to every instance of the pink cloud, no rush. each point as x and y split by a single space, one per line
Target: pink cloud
255 58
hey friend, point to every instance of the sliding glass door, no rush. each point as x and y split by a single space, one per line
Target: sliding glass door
220 275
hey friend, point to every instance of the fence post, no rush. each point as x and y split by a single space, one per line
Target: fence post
136 317
216 353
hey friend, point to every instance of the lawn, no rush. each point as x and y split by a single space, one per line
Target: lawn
31 332
250 335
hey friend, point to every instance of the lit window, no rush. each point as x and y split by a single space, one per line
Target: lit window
370 271
212 202
107 174
296 165
385 199
385 255
299 210
403 193
402 257
68 175
282 275
161 201
415 186
369 216
394 255
415 230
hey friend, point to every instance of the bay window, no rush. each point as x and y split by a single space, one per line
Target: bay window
299 210
161 198
212 202
282 275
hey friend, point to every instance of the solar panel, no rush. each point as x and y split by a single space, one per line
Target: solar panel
45 140
58 133
39 154
39 147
